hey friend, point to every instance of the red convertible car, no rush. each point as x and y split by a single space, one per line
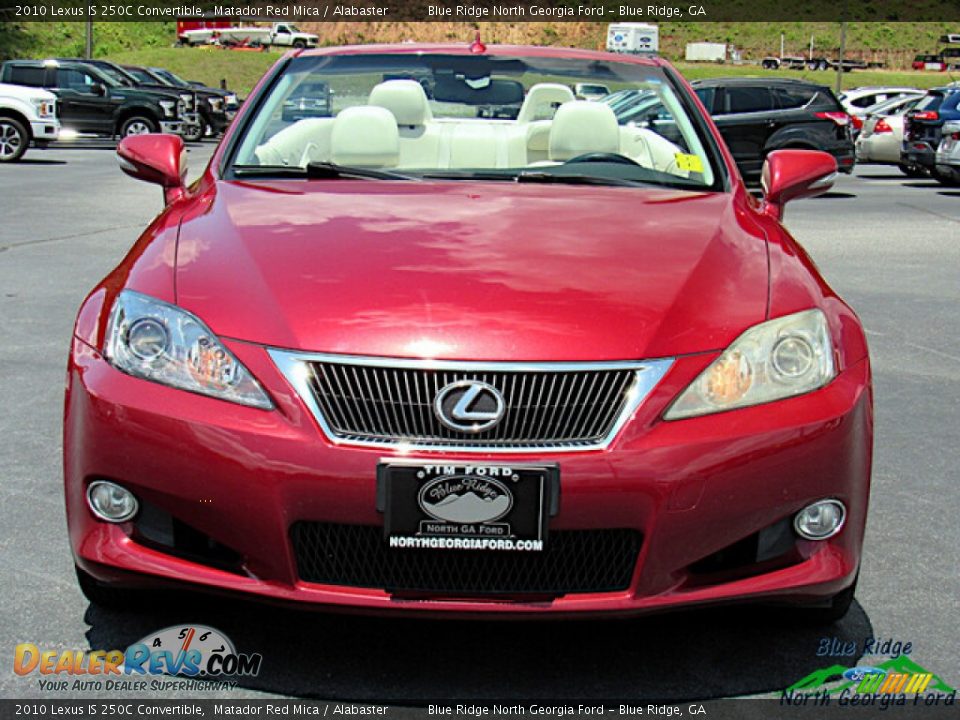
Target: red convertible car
465 346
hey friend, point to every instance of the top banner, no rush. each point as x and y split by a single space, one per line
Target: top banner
508 11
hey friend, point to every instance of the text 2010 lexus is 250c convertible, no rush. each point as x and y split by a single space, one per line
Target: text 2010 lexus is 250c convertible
464 345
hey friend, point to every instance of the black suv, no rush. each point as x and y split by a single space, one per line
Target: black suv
190 118
923 128
759 115
92 102
231 103
216 107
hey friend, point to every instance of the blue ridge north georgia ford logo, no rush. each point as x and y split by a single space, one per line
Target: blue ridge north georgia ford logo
465 499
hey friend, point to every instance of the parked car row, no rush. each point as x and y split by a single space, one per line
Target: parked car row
914 131
98 97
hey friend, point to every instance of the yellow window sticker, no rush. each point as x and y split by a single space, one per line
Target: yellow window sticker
690 163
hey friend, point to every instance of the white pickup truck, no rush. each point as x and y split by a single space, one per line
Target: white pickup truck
281 33
26 114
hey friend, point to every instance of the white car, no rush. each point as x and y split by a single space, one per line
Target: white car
26 115
881 136
948 152
859 100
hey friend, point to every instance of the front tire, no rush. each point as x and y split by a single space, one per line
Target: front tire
138 125
299 44
14 139
196 133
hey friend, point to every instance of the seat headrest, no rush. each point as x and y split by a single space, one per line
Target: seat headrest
405 99
365 136
581 127
543 94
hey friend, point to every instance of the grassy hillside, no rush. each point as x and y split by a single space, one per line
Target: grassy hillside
241 70
150 43
893 43
66 39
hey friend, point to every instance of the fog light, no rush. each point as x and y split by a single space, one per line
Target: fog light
820 520
110 502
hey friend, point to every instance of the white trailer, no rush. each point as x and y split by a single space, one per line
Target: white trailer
635 38
706 52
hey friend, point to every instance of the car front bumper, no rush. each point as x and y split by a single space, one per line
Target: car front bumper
171 127
242 477
45 130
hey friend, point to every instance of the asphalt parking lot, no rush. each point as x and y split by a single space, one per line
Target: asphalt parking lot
888 244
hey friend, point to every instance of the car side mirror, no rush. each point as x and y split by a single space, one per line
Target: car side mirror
98 89
155 158
792 174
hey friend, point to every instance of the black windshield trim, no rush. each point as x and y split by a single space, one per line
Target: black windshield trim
317 171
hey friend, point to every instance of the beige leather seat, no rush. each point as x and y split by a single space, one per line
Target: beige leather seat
581 127
540 96
365 136
304 141
420 138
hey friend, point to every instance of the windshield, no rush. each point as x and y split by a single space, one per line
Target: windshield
478 117
894 106
103 77
141 75
930 102
115 75
169 77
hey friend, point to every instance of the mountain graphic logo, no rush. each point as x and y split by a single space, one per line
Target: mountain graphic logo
899 675
465 499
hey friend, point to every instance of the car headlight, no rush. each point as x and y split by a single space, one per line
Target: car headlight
216 104
155 341
231 100
776 359
44 108
168 107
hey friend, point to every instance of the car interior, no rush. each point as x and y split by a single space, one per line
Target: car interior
397 129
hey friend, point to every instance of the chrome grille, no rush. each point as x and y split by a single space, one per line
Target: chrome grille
390 402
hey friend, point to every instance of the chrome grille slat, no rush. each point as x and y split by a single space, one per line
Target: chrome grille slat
592 418
585 420
615 396
548 406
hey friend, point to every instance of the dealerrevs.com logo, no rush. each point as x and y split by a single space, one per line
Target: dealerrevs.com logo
186 651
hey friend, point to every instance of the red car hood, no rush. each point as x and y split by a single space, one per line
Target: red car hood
482 271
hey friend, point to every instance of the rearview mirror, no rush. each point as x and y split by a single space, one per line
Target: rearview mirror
158 159
793 174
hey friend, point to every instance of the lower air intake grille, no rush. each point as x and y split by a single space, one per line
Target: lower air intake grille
573 561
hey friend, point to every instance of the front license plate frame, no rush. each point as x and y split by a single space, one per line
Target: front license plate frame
467 502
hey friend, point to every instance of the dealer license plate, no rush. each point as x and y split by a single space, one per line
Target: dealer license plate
467 506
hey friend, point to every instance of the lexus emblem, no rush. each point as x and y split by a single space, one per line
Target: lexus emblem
469 406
